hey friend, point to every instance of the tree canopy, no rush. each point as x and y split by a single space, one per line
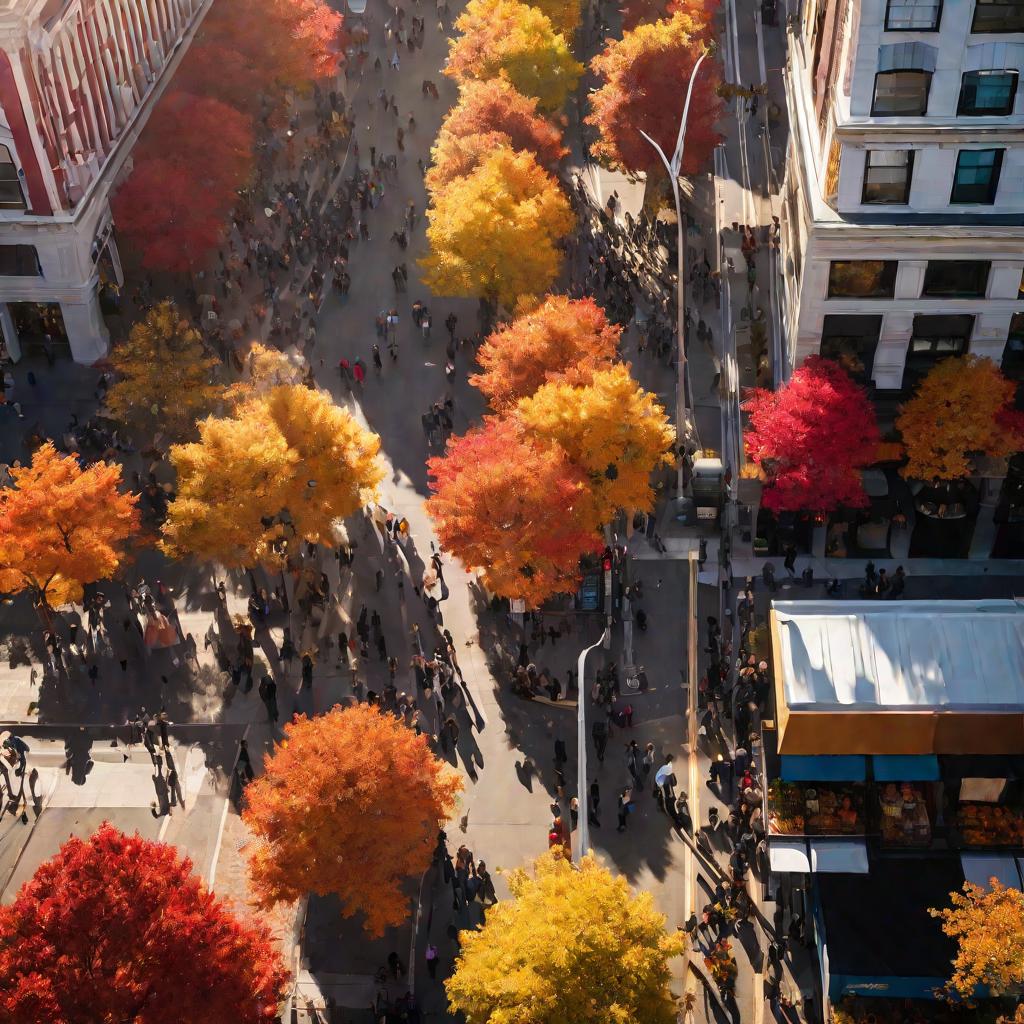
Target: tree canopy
118 928
638 72
962 408
164 375
562 339
988 926
349 803
812 438
512 508
570 945
62 526
518 42
285 464
493 233
611 429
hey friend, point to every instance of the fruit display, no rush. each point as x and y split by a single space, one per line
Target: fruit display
815 809
904 815
990 825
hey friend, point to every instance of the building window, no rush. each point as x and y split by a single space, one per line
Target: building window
1013 353
851 341
998 16
19 261
887 175
937 337
11 196
987 93
955 279
913 15
862 279
977 176
901 93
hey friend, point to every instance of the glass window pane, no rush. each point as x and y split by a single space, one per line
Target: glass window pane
901 92
998 16
862 279
977 176
987 92
956 279
908 15
887 176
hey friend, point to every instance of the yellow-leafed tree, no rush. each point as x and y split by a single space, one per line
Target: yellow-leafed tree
570 945
493 233
165 375
285 464
564 14
961 409
265 368
348 803
517 41
562 338
62 526
612 429
988 926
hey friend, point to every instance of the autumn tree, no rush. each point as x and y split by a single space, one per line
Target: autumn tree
962 409
562 338
564 14
638 12
512 509
638 72
62 526
518 42
568 940
164 375
118 928
988 926
493 233
173 205
349 803
491 114
812 438
263 369
616 433
285 464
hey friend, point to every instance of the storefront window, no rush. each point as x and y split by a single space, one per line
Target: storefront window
904 816
989 824
815 809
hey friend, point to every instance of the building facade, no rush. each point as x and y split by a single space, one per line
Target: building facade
903 208
78 79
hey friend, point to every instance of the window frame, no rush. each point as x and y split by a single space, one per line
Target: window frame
993 184
1012 98
929 355
995 4
935 267
907 182
14 178
888 268
902 113
938 4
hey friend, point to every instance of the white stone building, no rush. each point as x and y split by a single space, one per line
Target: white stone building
78 79
903 212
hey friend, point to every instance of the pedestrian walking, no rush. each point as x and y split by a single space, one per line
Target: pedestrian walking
624 807
560 753
431 956
268 694
599 732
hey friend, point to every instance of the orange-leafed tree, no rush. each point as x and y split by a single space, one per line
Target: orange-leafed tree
638 72
62 526
518 42
640 12
564 14
812 438
988 926
349 803
616 433
562 338
119 928
513 509
489 114
962 409
494 233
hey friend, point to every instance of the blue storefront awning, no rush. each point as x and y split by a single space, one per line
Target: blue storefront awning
906 767
824 768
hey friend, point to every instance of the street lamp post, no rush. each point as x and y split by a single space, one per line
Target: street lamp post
684 400
583 793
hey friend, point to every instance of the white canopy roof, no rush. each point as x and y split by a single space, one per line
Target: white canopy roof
875 655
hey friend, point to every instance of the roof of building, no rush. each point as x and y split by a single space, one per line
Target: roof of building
914 655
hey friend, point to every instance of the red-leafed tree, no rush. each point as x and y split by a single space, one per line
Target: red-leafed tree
641 12
639 72
173 206
562 338
513 509
811 438
118 929
495 105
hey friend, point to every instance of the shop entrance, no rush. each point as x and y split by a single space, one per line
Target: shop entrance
37 321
